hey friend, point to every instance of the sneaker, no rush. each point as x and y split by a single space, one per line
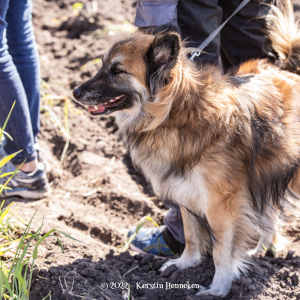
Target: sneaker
32 185
41 158
152 240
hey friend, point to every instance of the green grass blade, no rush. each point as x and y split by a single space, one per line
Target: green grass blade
7 158
7 134
53 230
5 212
61 247
6 183
6 283
6 174
3 128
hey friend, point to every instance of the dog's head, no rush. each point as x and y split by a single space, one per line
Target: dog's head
133 70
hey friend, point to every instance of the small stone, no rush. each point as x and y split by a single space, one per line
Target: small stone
158 264
92 273
146 269
138 257
84 272
80 266
259 271
147 258
289 282
77 277
270 253
283 273
246 297
124 256
110 255
169 271
290 255
174 277
246 281
53 270
128 261
295 278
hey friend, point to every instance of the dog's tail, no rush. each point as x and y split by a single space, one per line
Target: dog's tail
284 35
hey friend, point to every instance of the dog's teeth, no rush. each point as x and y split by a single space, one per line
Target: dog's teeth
110 101
95 107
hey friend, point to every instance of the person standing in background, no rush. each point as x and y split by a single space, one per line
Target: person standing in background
241 39
20 82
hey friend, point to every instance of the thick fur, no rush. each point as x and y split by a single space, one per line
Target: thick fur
284 35
226 148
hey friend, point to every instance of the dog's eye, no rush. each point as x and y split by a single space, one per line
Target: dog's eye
117 71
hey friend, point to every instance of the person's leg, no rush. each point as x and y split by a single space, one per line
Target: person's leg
31 182
244 36
174 223
19 125
165 240
197 19
23 49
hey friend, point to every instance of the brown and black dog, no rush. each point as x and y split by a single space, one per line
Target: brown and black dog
226 148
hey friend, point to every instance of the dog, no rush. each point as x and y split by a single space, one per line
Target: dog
225 147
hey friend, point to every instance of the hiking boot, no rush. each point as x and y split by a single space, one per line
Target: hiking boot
32 185
153 241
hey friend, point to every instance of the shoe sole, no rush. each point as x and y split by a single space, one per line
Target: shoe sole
36 195
136 249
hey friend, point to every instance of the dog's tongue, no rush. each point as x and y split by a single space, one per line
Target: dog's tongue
96 108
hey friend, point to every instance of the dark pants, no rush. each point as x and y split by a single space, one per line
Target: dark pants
242 38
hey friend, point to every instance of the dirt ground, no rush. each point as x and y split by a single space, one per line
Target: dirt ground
96 193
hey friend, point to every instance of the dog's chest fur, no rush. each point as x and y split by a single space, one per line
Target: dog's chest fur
161 169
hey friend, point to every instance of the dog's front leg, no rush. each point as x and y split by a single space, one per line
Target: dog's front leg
226 267
196 243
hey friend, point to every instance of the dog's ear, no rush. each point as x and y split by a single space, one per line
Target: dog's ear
162 57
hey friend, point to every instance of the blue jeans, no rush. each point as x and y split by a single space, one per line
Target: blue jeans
19 78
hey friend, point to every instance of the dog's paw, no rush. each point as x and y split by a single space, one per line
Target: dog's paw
181 263
168 263
212 291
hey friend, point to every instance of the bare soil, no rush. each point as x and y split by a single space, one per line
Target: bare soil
97 196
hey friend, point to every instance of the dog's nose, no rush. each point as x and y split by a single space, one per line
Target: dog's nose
77 93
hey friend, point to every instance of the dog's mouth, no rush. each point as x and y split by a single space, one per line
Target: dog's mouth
104 107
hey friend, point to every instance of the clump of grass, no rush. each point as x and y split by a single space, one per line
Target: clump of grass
16 273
